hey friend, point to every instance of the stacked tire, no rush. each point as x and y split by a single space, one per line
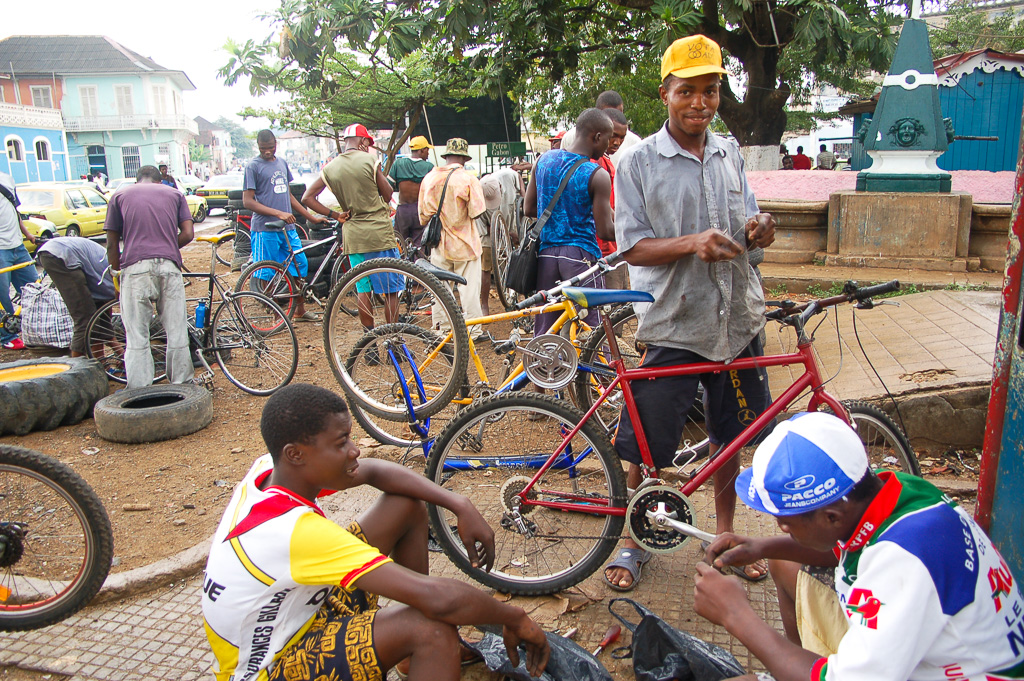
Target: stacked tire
41 394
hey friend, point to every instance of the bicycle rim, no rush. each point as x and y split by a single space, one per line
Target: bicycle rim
887 446
259 362
58 545
224 250
502 250
489 453
106 341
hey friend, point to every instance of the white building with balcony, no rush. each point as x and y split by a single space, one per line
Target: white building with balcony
121 110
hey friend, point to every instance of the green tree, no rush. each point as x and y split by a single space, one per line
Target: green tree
240 138
197 153
968 28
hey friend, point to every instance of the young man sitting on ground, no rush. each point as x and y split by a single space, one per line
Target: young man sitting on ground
881 576
288 594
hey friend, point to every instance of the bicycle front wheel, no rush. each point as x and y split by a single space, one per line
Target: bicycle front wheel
106 341
887 446
490 452
55 540
256 360
410 317
272 280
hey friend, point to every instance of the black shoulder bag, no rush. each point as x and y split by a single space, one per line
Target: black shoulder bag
432 231
521 276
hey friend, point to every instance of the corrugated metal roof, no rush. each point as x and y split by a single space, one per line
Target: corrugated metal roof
67 55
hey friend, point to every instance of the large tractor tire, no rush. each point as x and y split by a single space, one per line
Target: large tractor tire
157 412
41 394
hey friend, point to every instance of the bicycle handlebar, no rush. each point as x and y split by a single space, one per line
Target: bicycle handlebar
850 294
605 264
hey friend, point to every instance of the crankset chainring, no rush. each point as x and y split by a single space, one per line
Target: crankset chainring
550 361
510 491
12 543
644 531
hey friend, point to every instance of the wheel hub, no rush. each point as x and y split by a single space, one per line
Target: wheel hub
12 543
645 530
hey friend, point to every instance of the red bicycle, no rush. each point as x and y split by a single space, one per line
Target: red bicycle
547 479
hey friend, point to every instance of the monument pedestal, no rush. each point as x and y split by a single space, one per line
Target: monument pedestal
900 230
896 182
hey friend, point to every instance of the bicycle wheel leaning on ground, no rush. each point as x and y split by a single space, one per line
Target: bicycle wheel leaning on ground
254 343
501 250
423 303
106 341
56 543
272 280
490 452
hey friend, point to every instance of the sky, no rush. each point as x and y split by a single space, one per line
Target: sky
185 35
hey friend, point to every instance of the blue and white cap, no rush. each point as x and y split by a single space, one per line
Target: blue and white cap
807 462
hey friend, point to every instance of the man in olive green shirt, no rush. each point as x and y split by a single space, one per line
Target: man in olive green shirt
363 193
407 172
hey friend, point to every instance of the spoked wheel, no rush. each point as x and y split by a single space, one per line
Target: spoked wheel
490 452
421 305
501 248
106 341
55 540
254 343
272 280
589 385
225 248
887 446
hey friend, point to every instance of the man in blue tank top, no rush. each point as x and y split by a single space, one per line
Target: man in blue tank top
568 240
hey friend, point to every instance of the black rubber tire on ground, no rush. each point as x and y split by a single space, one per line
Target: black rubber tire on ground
200 215
73 230
153 413
41 394
62 517
569 546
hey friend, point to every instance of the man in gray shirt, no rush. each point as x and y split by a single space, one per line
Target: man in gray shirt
79 269
686 222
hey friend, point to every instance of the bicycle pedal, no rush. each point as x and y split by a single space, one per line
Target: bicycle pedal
205 379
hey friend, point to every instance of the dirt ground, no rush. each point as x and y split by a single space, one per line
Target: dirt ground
184 484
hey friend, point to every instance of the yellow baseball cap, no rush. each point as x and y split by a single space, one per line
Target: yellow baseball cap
419 142
691 56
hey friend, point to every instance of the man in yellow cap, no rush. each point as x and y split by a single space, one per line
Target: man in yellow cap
687 223
407 172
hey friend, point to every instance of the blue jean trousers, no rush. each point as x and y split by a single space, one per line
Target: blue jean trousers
20 277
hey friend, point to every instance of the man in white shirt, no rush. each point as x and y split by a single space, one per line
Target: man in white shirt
12 252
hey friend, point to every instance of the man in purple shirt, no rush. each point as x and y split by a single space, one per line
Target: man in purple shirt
153 222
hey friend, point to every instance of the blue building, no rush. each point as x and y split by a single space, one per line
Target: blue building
35 149
121 110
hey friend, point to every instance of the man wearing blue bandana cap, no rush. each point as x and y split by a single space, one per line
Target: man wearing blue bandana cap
919 591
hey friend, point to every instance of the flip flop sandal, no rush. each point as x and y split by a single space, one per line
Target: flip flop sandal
308 316
739 570
631 560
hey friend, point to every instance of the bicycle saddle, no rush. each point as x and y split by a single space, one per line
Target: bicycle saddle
443 275
276 224
595 297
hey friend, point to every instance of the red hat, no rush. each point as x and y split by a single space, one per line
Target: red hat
357 130
558 136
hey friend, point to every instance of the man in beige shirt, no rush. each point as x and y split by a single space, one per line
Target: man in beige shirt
460 248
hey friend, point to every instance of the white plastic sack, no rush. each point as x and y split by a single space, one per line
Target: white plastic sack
45 319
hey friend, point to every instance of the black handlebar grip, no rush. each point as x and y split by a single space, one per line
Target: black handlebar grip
529 302
877 290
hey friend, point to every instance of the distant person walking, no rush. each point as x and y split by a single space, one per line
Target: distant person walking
826 160
266 191
460 248
80 270
801 161
12 252
406 174
153 222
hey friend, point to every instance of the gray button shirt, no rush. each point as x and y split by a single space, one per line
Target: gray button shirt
662 191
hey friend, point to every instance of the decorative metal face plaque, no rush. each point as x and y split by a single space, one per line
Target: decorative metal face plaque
906 132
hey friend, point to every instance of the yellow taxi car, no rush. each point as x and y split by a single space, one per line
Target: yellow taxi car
39 228
215 191
76 210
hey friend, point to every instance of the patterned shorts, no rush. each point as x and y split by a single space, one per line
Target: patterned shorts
339 644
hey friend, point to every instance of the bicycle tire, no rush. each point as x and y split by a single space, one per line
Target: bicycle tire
106 340
257 361
61 561
471 457
887 445
224 250
279 285
501 251
422 290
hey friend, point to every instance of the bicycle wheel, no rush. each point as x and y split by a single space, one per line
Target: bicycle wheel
501 249
490 452
272 280
422 302
225 248
106 340
55 540
887 446
259 362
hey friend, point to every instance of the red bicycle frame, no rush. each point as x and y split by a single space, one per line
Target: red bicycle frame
809 380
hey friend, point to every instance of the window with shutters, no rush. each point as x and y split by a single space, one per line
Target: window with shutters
15 149
160 100
123 95
42 150
42 96
87 94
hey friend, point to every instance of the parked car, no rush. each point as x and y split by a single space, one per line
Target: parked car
39 227
114 185
196 204
188 183
75 210
215 191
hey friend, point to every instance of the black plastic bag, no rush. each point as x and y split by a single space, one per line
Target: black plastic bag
662 653
568 661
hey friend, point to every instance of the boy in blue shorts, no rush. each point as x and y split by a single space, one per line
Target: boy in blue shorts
290 595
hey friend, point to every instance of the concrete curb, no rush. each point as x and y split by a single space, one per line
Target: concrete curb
148 577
